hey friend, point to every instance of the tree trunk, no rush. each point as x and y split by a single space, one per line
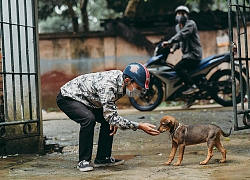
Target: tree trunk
131 8
84 13
73 17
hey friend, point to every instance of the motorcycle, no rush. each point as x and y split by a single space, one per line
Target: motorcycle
213 83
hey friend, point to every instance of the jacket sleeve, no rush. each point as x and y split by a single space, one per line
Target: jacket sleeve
182 34
176 46
110 112
111 116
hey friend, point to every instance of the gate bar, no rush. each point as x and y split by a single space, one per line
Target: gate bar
18 122
240 17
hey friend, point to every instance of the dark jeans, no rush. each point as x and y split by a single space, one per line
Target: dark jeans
87 119
183 67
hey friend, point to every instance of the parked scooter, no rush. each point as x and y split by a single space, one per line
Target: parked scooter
213 83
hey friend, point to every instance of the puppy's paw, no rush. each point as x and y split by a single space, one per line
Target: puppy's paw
177 164
222 161
203 163
167 163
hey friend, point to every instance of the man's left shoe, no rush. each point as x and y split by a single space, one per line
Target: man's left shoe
108 161
191 91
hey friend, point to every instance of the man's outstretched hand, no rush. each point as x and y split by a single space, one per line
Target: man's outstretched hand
149 129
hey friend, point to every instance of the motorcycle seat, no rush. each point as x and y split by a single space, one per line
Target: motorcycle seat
203 61
206 60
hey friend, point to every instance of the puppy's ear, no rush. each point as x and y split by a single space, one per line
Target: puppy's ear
175 123
165 122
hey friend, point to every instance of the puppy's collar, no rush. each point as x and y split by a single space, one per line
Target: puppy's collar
172 133
177 127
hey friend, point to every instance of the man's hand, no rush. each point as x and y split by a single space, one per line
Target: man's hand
149 129
114 129
171 50
164 44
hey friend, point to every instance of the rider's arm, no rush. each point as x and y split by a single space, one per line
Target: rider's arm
175 46
182 33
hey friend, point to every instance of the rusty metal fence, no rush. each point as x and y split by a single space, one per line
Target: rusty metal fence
239 59
20 116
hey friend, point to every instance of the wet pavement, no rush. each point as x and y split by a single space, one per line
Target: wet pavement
144 154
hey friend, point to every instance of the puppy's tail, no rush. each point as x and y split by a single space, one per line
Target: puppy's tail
226 135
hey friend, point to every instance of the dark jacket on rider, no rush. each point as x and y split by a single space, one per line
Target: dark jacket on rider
188 39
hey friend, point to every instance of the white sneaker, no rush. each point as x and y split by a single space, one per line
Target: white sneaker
84 166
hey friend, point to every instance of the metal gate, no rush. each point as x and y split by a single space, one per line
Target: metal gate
239 59
20 115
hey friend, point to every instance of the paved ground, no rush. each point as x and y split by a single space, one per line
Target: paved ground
144 154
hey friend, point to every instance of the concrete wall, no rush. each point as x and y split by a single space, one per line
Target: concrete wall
65 56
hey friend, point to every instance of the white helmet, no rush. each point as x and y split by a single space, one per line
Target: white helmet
182 8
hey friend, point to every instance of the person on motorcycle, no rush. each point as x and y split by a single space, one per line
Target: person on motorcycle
186 38
91 98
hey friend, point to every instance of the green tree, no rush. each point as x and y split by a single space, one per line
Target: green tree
72 15
134 8
64 8
85 15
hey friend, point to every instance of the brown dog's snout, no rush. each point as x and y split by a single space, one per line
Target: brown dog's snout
161 129
164 124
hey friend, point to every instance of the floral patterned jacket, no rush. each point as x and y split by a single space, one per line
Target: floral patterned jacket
100 90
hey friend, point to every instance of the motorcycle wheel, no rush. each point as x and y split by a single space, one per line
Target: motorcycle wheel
150 100
222 84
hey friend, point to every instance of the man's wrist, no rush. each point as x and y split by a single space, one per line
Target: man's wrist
136 126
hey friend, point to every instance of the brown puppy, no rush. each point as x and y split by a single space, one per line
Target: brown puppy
183 135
